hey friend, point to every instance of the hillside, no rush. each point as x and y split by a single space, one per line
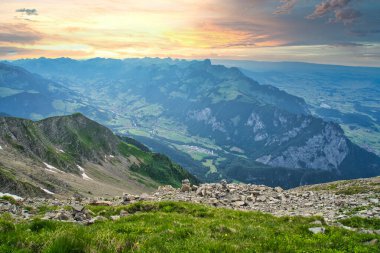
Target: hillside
66 154
346 95
27 95
213 120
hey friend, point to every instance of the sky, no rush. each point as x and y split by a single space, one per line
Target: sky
344 32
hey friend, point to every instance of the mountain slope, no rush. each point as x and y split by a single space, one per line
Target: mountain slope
58 153
346 95
27 95
213 119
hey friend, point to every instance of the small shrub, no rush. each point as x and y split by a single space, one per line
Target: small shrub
68 243
37 225
6 226
9 199
358 222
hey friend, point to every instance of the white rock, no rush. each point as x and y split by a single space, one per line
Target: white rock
317 230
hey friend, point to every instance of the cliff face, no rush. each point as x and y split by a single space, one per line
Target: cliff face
324 150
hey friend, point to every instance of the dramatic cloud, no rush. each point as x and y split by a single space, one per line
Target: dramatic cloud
347 15
286 7
340 8
300 30
28 12
18 33
328 6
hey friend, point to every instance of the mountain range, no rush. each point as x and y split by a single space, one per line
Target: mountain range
213 120
346 95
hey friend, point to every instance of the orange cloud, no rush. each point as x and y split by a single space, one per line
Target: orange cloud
236 29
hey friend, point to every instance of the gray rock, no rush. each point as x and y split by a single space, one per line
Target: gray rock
238 203
200 191
63 216
77 208
372 242
186 187
261 198
80 217
144 196
115 217
317 222
317 230
278 189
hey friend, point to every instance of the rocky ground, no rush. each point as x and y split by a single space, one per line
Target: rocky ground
333 202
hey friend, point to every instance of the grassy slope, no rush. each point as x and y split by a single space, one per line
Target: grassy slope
180 227
9 183
156 166
349 187
85 140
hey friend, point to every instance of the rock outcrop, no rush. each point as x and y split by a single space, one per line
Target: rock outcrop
318 200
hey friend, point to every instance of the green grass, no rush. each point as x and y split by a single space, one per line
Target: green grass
354 190
127 150
325 187
210 164
349 187
359 222
180 227
10 199
156 166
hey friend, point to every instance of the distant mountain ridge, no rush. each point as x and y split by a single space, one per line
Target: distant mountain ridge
213 120
66 146
343 94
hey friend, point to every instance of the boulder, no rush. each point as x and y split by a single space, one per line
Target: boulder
317 230
115 217
63 216
186 187
101 203
77 208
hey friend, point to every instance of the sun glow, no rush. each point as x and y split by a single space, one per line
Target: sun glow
161 28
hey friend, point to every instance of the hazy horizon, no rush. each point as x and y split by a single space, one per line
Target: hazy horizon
317 31
213 60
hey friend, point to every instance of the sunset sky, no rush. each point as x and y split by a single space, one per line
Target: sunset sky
323 31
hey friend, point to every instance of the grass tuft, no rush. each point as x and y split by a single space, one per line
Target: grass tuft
181 227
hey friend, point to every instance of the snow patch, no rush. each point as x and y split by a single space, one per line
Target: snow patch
84 175
51 168
1 147
11 195
60 150
47 191
52 171
324 105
